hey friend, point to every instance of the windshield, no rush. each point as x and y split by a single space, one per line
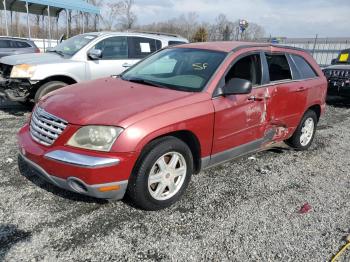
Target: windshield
184 69
73 44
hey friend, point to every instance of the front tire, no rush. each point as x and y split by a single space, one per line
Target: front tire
161 175
305 132
47 88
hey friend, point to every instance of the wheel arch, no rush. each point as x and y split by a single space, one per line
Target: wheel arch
189 138
317 109
63 78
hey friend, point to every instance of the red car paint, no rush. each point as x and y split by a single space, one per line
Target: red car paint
145 112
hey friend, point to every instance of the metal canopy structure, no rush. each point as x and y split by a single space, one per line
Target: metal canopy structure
50 8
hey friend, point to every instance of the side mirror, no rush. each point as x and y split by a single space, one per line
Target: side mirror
334 61
95 54
237 86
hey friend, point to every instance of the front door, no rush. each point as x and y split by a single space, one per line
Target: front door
114 58
240 119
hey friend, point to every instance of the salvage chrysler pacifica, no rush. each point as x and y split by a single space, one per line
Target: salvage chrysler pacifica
183 109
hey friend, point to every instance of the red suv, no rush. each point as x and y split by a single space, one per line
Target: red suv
183 109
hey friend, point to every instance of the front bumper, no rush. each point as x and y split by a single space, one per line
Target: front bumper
96 174
15 90
78 186
339 88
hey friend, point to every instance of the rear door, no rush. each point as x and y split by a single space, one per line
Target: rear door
141 47
240 119
287 96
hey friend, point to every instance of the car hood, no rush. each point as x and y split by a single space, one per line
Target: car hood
33 59
342 66
111 101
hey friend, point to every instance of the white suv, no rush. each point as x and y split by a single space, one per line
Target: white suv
83 57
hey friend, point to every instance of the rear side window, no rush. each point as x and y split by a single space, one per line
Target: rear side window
248 68
5 44
140 47
176 43
278 67
303 66
20 44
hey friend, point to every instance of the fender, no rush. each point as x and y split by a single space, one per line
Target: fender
196 118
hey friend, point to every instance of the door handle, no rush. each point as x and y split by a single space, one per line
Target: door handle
300 89
126 65
256 98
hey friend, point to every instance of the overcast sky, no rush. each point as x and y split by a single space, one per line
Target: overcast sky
293 18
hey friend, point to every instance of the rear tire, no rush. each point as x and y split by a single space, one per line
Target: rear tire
161 175
47 88
305 132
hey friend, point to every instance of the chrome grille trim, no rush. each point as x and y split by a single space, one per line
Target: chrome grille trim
45 128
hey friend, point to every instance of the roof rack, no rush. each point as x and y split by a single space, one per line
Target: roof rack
154 33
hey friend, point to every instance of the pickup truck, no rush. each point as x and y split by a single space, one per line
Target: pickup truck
27 77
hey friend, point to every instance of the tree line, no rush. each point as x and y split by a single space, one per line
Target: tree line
119 16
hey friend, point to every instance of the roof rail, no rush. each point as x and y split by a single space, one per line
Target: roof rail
154 33
288 47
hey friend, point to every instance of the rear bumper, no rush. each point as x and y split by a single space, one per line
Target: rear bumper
76 185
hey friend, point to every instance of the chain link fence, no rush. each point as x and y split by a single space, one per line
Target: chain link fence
322 49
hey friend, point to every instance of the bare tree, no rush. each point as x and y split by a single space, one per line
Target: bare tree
112 10
127 18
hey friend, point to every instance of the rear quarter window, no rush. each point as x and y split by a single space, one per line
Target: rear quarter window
305 69
21 44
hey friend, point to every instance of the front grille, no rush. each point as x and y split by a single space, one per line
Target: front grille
45 128
338 77
5 70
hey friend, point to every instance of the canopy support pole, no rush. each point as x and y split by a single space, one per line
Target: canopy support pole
98 22
44 26
49 17
29 32
67 21
57 36
83 22
11 23
7 27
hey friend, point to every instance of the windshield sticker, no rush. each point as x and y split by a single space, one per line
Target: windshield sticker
89 37
343 57
200 66
145 48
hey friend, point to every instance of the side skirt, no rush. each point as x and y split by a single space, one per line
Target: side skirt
238 151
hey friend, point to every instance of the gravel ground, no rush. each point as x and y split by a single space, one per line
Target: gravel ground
244 210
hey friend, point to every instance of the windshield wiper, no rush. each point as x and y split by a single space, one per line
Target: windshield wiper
145 81
56 51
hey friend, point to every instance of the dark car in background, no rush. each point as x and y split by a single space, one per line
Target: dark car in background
338 75
16 46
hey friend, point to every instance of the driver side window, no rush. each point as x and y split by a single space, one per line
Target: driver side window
248 68
113 48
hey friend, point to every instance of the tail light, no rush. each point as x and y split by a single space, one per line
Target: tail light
37 50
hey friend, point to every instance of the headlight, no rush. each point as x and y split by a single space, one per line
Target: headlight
100 138
23 71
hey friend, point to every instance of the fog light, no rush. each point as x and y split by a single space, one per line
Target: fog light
109 188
